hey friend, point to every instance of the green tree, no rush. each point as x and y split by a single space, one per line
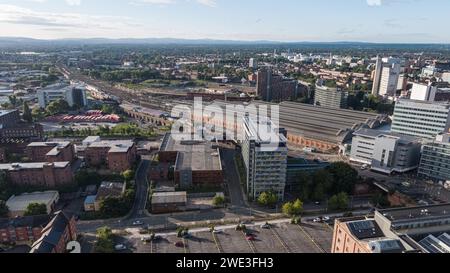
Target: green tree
27 115
344 177
4 210
38 113
57 107
107 109
267 199
13 100
380 200
105 242
35 209
339 202
298 207
288 209
322 183
128 175
219 201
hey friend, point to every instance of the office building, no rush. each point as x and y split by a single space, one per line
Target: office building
273 87
435 162
385 152
197 163
421 119
73 95
386 77
330 97
18 204
423 92
265 158
421 229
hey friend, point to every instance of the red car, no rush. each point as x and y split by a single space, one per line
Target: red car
250 237
179 244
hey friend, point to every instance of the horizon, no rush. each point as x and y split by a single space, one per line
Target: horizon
286 21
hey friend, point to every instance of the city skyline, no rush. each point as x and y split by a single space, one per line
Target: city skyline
379 21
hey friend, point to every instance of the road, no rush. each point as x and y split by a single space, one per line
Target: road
142 186
233 179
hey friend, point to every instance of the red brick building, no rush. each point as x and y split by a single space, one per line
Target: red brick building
22 229
51 152
48 175
55 236
117 156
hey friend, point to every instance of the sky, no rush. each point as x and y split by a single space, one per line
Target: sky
391 21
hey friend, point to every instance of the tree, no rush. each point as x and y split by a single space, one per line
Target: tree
288 209
298 207
27 115
380 200
267 199
57 107
322 183
105 243
128 175
339 202
35 209
344 177
38 113
112 207
107 109
4 210
293 208
219 201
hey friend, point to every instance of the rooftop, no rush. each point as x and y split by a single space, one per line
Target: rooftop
30 166
56 146
5 112
109 189
376 133
21 202
116 146
416 213
169 197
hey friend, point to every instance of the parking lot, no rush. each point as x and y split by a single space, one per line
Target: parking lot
280 238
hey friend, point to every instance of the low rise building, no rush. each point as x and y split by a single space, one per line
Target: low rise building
51 175
56 235
167 202
73 95
51 152
386 152
117 155
400 230
18 204
197 163
435 161
22 229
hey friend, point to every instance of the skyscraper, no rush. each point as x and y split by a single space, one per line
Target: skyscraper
274 87
386 77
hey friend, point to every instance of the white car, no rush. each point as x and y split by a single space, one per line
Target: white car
217 231
138 223
120 247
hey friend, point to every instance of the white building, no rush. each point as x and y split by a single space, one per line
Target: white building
385 152
420 118
18 204
73 94
265 158
252 63
386 76
423 92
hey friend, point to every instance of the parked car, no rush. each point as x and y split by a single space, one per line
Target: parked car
266 226
250 238
120 247
179 244
138 223
217 231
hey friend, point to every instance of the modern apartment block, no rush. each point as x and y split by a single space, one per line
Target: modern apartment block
435 162
265 158
330 97
273 87
50 152
74 95
48 175
385 152
402 230
420 118
386 77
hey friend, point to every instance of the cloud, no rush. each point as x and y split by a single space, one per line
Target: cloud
73 2
209 3
374 2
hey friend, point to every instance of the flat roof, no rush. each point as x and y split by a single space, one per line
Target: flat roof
416 213
116 146
5 112
21 202
19 166
193 155
377 133
169 197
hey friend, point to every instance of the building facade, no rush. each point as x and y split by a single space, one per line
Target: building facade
330 97
117 156
435 162
51 152
421 119
385 152
386 77
73 95
265 159
273 87
22 229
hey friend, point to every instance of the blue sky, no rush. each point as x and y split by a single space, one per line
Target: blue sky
277 20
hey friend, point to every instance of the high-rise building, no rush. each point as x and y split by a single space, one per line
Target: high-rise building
330 97
421 119
273 87
265 158
435 162
423 92
74 95
252 63
385 152
386 77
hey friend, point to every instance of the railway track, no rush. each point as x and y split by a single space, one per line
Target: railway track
282 242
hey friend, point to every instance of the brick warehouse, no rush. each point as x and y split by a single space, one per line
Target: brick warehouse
51 152
49 175
117 155
22 229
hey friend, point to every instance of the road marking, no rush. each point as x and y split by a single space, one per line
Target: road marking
185 246
250 243
311 238
275 233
